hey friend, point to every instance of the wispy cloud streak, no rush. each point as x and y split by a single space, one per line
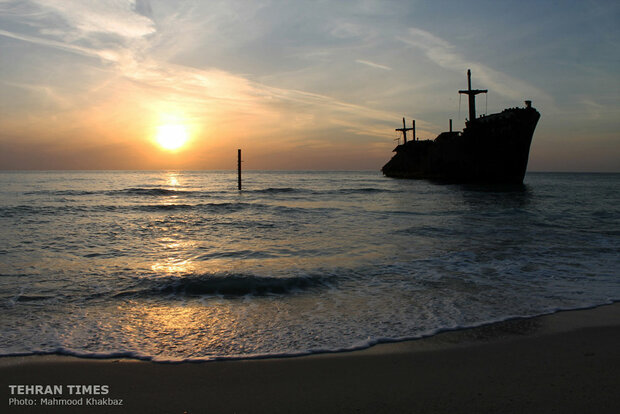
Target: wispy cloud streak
444 54
373 64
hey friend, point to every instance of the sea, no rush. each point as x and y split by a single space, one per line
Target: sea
182 266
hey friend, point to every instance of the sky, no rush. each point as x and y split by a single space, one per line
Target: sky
298 85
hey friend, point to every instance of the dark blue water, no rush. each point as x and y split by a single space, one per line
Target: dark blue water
181 265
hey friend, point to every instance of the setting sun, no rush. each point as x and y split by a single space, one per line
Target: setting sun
171 137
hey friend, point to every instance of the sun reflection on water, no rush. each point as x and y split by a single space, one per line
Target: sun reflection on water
173 179
182 329
173 265
173 260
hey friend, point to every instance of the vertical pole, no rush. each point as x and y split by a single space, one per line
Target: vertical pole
413 129
450 125
239 168
472 98
404 131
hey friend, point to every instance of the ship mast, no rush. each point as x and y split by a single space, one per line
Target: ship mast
404 130
472 96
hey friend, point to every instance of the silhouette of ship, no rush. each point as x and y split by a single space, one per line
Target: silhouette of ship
491 149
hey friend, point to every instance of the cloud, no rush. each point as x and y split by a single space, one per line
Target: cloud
445 55
373 64
109 30
143 7
84 51
136 51
124 18
197 91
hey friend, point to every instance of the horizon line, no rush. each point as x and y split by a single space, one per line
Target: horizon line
264 170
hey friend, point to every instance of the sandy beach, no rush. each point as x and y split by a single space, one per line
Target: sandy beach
565 362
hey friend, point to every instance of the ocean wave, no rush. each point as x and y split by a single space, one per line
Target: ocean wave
61 192
219 208
245 254
28 210
361 190
276 190
228 207
289 190
203 207
164 207
225 284
157 191
134 191
32 298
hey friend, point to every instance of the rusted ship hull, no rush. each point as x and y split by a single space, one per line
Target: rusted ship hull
491 149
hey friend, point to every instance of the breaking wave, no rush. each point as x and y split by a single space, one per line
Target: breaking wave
150 192
226 284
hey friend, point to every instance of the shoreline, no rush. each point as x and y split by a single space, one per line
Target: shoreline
567 361
513 321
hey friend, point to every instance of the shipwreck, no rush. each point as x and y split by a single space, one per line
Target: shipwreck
491 148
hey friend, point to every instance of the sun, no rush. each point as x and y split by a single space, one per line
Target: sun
171 136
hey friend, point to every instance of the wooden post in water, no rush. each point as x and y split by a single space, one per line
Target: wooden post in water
239 168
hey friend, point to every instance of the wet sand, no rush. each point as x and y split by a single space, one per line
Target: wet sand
568 362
